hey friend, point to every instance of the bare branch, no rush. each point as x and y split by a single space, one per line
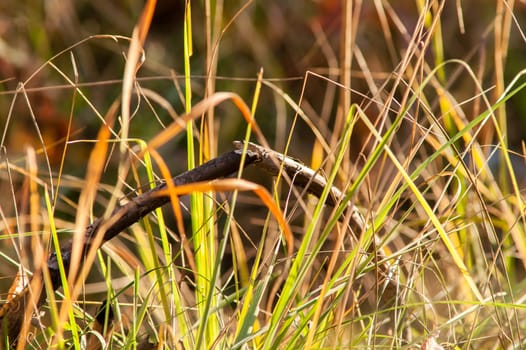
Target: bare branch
12 312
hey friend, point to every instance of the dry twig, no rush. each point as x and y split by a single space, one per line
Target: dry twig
12 312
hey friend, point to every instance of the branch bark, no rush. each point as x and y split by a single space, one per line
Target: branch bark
13 311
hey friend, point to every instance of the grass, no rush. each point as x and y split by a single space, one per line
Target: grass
417 125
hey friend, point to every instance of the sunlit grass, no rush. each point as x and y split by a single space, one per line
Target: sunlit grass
241 265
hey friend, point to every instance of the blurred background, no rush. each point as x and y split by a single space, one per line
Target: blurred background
286 39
